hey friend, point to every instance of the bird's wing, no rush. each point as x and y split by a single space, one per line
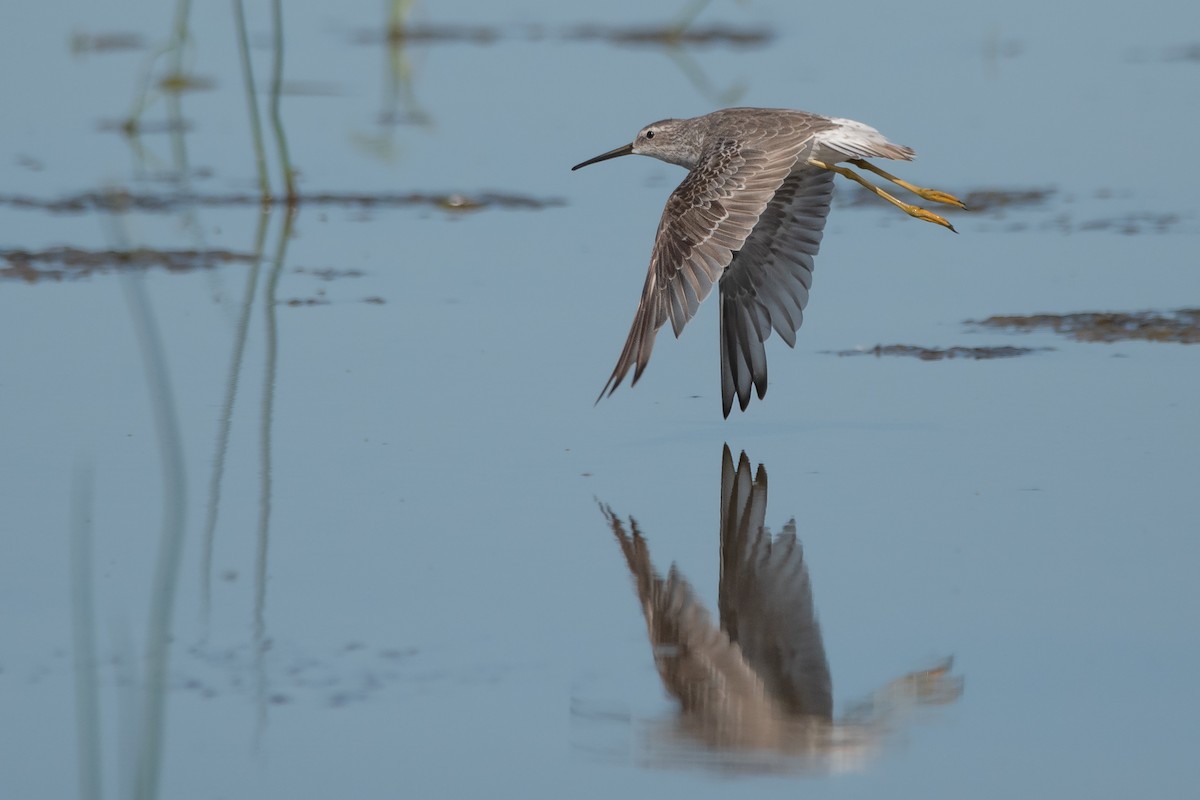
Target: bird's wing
766 285
765 597
706 220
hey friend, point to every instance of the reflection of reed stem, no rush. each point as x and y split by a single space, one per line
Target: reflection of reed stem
148 760
687 17
276 86
178 142
179 35
260 154
231 384
174 48
398 11
264 503
83 625
400 78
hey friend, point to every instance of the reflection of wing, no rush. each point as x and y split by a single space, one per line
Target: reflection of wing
933 686
766 597
756 693
698 664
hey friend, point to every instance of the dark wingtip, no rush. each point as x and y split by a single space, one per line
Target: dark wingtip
609 388
607 391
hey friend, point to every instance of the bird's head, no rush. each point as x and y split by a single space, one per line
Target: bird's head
669 140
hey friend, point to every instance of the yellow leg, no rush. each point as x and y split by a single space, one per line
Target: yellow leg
911 210
920 191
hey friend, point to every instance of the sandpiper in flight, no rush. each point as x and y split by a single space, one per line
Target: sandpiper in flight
749 215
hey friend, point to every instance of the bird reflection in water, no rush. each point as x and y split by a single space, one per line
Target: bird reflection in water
755 693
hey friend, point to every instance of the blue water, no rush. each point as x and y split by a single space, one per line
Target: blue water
409 587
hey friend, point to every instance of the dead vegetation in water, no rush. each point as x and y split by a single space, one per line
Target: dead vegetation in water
671 35
942 353
120 201
148 127
1133 223
666 35
111 42
991 200
978 201
428 34
64 264
1183 53
73 263
329 273
1181 326
999 204
1186 52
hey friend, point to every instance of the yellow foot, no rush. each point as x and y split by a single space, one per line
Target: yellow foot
932 195
928 216
911 210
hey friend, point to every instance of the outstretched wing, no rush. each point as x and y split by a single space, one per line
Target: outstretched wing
766 285
706 220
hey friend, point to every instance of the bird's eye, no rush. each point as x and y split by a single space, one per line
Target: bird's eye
649 134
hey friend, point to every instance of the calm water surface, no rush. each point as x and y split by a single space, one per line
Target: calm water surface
395 574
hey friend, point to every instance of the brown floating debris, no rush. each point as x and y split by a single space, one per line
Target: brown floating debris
655 35
121 201
70 263
144 126
427 34
329 273
942 353
1134 223
1187 52
1181 325
976 200
459 202
310 89
182 82
997 202
672 35
106 42
994 199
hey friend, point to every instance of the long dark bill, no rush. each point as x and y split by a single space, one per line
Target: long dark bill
623 150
